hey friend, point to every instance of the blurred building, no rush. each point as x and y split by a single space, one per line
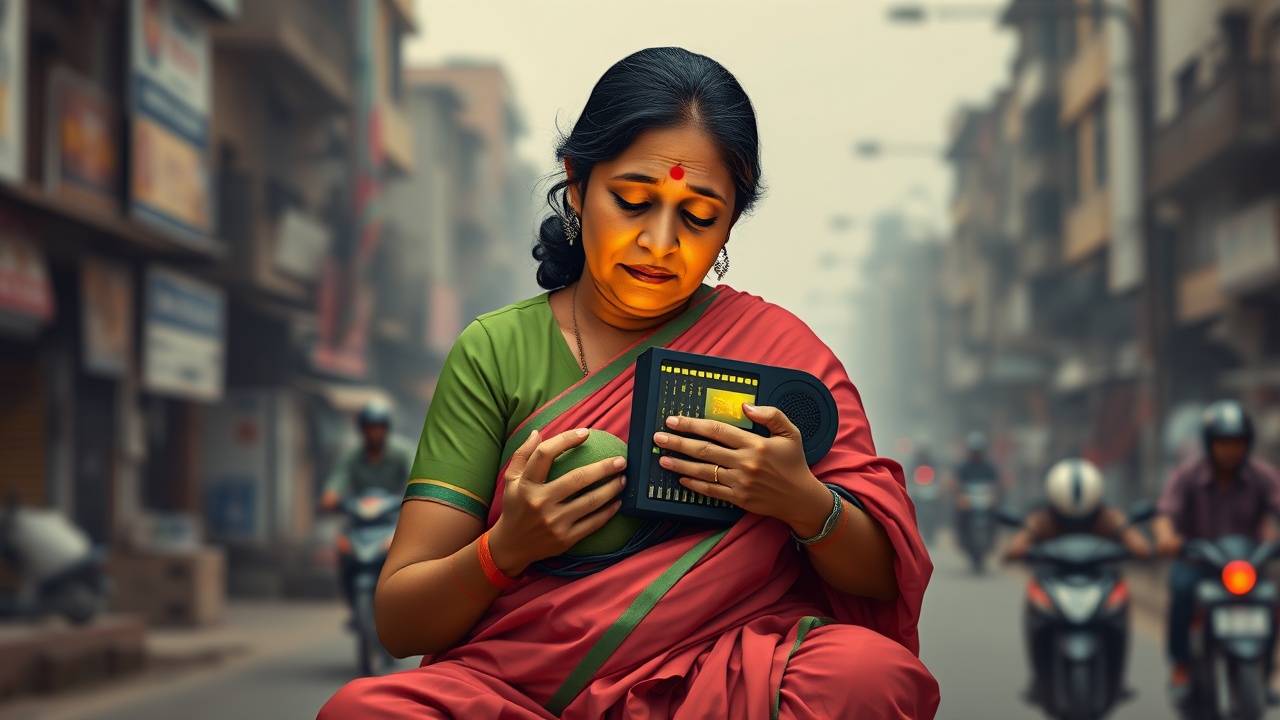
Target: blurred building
1114 262
459 232
900 309
190 240
1214 184
491 213
1044 279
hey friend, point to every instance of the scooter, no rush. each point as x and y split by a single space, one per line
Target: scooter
926 496
58 567
1231 635
362 550
1077 622
977 522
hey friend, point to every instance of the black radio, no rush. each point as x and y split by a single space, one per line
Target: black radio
670 383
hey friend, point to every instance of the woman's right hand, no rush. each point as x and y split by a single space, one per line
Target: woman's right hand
540 519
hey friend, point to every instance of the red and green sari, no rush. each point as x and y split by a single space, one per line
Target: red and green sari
717 623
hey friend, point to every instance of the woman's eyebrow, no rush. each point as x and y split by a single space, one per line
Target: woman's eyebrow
639 178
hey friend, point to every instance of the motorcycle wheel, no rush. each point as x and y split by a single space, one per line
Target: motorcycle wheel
1248 691
78 601
368 649
1079 693
979 562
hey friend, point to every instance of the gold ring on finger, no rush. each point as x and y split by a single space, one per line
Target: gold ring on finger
715 476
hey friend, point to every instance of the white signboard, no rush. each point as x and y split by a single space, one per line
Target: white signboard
185 327
302 243
13 93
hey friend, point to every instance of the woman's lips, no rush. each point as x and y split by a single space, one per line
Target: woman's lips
646 275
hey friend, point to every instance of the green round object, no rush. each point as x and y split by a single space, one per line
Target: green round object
598 446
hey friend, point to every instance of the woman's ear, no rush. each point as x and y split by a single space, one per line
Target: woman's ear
575 190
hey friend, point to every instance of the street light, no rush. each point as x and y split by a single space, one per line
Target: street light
918 13
872 149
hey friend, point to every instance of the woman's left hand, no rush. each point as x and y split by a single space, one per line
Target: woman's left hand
765 476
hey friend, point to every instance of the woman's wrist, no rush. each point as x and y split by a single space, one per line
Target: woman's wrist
508 561
811 510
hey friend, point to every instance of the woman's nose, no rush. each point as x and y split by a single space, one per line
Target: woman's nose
659 235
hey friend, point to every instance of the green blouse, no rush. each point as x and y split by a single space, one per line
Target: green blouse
503 367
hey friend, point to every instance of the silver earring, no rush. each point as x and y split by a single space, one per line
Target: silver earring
572 226
722 263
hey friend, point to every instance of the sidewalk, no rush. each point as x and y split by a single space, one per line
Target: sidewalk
252 632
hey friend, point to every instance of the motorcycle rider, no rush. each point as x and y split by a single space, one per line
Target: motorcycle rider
1075 489
1226 492
377 463
976 469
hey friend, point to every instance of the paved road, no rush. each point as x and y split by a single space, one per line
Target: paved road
284 688
971 640
970 637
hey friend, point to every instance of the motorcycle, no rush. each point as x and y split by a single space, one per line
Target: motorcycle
1231 635
59 568
926 496
977 522
371 520
1077 622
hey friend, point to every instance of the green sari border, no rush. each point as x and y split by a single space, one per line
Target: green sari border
630 618
608 373
807 623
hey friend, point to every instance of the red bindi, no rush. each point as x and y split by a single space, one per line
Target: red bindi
677 172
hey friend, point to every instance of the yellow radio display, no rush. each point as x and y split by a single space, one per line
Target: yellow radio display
726 406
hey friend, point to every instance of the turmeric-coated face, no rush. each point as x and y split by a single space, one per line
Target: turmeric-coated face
654 219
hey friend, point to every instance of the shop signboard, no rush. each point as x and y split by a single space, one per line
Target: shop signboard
81 160
184 337
106 306
169 94
13 94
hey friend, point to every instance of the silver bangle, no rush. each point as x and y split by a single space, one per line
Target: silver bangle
828 526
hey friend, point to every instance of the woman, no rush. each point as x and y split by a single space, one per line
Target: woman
737 623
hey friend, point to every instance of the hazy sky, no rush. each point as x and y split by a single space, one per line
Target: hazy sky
821 75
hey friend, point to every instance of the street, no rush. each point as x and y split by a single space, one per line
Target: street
970 637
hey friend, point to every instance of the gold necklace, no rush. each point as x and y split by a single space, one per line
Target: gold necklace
582 356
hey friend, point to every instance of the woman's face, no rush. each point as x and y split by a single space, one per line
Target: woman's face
649 237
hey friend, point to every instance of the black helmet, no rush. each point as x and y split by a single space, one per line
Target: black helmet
375 412
1226 419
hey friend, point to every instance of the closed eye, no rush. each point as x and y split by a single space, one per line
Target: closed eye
629 207
700 222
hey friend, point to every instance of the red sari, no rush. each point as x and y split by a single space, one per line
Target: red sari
730 623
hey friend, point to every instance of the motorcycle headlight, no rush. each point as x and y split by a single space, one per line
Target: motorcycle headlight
1077 603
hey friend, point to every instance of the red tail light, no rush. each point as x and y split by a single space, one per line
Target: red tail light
924 475
1239 577
1119 596
1038 597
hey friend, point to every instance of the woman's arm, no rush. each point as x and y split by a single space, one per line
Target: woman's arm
421 605
859 559
433 590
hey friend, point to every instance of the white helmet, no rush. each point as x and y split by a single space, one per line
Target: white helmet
1075 487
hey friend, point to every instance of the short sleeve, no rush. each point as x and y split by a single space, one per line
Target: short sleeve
461 444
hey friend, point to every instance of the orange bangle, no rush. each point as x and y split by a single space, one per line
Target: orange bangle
499 579
453 572
844 520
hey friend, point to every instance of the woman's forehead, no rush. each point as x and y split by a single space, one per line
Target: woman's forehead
655 152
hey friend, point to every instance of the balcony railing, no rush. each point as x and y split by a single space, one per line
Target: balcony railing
1235 113
312 35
